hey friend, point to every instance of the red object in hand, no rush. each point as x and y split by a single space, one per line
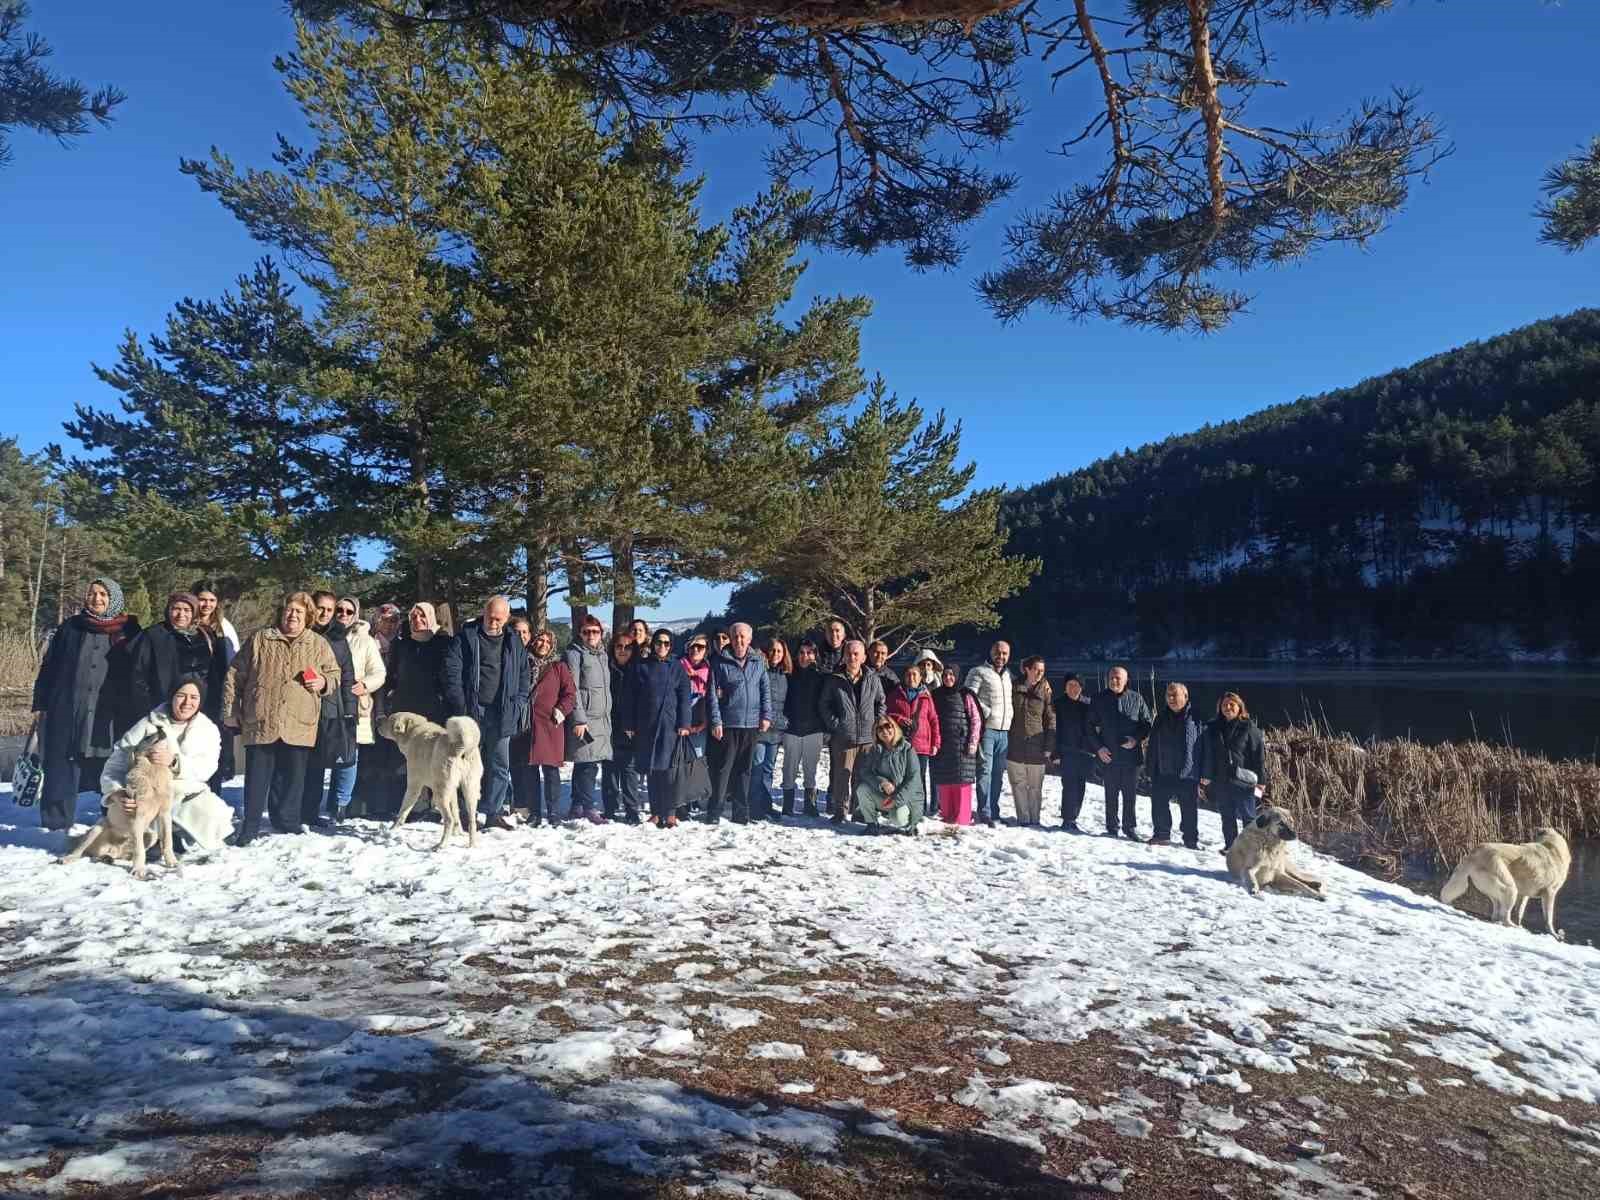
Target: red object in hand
309 675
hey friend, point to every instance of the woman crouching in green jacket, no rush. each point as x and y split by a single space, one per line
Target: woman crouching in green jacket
889 782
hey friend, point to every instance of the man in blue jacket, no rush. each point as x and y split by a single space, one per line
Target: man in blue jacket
485 677
744 712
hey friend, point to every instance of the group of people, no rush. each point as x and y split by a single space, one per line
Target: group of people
653 733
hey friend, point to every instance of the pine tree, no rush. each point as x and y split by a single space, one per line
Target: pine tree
222 460
34 97
1571 210
543 354
887 537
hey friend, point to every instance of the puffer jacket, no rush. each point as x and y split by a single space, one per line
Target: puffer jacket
744 693
917 718
900 766
802 704
624 681
778 687
591 680
161 656
960 730
1076 742
366 658
262 695
1033 724
850 711
994 692
1117 716
1175 744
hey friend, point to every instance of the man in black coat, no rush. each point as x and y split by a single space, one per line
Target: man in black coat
830 651
852 703
1121 722
486 678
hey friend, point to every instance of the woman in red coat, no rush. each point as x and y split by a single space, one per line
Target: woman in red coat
552 699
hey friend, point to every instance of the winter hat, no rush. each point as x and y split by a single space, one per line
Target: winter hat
114 608
930 656
188 598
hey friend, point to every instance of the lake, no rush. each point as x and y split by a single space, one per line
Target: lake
1551 710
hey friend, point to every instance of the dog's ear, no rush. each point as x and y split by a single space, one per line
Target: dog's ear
1264 821
151 741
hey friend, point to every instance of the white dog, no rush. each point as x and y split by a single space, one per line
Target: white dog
1511 874
444 759
1259 856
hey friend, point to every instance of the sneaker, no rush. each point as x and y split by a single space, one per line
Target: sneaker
499 821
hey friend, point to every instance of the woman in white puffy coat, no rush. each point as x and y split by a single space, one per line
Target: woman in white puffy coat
193 746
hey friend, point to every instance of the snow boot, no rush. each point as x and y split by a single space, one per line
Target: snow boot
788 802
811 803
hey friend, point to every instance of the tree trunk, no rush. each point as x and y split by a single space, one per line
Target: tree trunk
61 584
538 553
577 581
624 599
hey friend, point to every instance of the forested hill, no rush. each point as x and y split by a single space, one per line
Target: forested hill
1447 509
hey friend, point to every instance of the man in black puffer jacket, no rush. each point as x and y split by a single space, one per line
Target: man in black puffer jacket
1121 722
852 702
1175 752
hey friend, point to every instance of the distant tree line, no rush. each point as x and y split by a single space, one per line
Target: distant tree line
1449 508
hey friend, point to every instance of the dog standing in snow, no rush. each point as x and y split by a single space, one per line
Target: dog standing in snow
149 784
444 759
1510 874
1259 856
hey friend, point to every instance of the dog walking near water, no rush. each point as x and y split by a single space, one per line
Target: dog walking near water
149 784
1510 874
444 759
1259 856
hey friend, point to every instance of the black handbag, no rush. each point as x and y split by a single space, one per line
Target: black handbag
690 775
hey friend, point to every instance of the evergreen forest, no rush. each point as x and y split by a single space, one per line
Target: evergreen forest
1448 510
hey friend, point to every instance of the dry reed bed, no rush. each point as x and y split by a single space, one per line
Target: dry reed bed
1387 801
17 669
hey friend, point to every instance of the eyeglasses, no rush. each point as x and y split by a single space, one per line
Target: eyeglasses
345 612
697 645
592 631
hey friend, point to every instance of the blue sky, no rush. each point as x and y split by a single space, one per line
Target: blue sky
107 235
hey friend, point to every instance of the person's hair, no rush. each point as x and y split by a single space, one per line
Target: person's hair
888 723
618 640
214 623
1119 667
917 667
492 600
854 642
1032 661
1237 699
700 640
787 666
806 644
185 681
302 601
1182 687
832 621
640 621
320 594
591 622
520 620
875 643
744 625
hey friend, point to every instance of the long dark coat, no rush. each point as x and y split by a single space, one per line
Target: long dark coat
413 683
555 690
801 701
663 703
160 656
84 718
623 682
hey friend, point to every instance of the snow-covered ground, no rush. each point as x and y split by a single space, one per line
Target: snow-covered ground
369 1009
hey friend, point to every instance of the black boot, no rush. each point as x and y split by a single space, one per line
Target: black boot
811 803
835 810
788 802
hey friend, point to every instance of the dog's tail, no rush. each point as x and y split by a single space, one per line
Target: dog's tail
462 734
1456 886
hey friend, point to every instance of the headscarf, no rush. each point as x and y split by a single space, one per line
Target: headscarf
430 622
194 629
537 665
114 591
